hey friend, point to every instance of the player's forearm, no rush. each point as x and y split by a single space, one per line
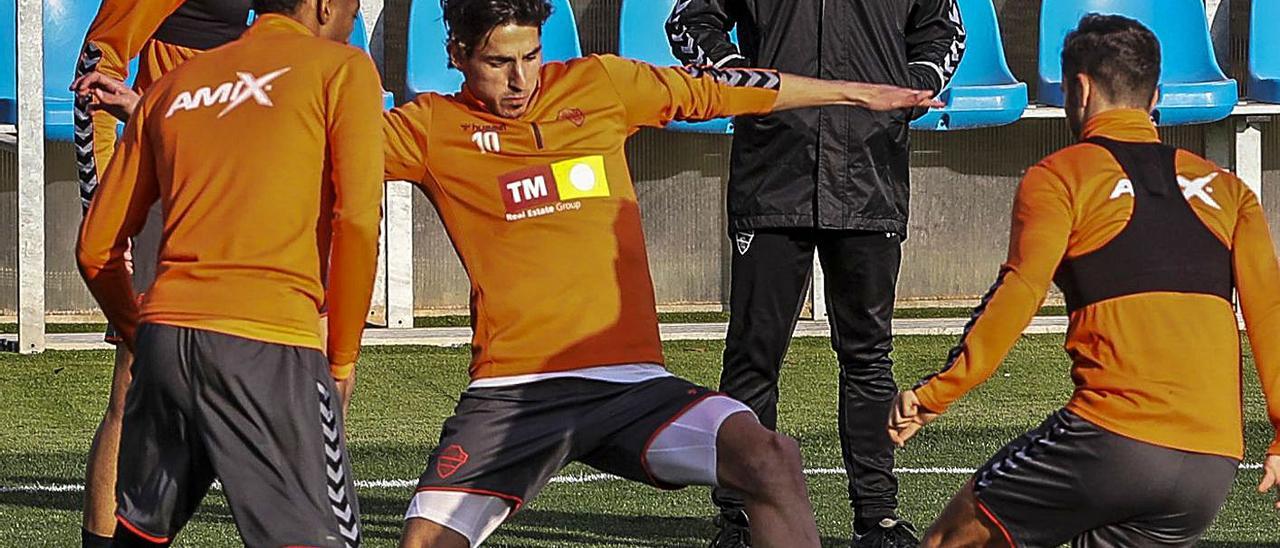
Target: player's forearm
353 265
1258 284
109 281
800 92
996 325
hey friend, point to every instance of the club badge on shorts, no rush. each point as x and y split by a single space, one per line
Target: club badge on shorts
450 460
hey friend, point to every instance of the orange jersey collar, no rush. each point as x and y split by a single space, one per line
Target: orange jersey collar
1126 124
275 23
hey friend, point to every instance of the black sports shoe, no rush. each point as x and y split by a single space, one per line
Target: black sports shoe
889 533
734 531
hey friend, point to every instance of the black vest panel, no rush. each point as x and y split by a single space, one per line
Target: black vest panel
205 24
1164 247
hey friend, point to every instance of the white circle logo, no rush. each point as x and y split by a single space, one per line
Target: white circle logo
582 177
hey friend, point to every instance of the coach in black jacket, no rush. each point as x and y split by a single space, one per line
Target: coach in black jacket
834 179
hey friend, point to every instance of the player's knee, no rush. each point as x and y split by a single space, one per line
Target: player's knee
771 466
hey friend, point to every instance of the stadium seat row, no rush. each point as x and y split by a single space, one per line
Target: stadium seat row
982 93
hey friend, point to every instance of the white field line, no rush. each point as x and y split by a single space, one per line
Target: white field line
575 478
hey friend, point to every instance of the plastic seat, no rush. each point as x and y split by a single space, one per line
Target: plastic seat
1193 88
1264 51
8 62
360 39
983 92
427 62
642 35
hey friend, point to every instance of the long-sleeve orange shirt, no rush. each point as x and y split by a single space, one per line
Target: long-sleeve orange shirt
1158 367
541 209
122 28
259 152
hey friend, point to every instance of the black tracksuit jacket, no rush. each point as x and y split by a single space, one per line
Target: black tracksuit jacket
841 168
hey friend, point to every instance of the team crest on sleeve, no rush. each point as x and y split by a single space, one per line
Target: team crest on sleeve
541 190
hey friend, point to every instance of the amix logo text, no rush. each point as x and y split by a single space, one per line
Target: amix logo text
540 190
232 94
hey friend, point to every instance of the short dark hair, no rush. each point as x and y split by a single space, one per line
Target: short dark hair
1120 55
469 22
276 6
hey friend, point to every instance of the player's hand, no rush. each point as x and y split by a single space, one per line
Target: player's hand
1271 477
107 94
907 417
882 97
346 387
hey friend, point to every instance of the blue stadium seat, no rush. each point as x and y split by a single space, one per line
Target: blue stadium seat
427 61
643 36
8 62
983 92
1193 88
360 39
1264 51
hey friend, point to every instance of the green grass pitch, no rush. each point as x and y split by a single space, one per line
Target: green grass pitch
50 404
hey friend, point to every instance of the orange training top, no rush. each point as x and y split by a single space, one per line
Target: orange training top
121 28
542 211
259 151
1158 367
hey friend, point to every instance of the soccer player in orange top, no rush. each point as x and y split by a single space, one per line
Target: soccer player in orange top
526 167
266 156
161 34
1147 243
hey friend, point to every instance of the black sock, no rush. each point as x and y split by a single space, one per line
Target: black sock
92 540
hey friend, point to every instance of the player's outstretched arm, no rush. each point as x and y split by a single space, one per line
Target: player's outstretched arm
1038 237
800 92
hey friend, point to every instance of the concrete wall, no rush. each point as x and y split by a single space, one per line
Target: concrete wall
963 187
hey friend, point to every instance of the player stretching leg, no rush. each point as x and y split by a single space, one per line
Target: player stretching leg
526 167
266 156
1147 243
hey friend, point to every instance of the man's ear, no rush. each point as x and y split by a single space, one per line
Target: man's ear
1155 98
456 53
1084 88
324 11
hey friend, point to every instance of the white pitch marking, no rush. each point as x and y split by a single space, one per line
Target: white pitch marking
573 478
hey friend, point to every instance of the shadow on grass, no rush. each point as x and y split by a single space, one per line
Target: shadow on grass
381 516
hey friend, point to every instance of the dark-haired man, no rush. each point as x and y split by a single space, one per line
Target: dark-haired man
527 169
834 181
1147 243
266 157
162 34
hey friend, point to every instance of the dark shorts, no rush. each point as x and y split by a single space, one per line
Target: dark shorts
1072 481
264 419
509 441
